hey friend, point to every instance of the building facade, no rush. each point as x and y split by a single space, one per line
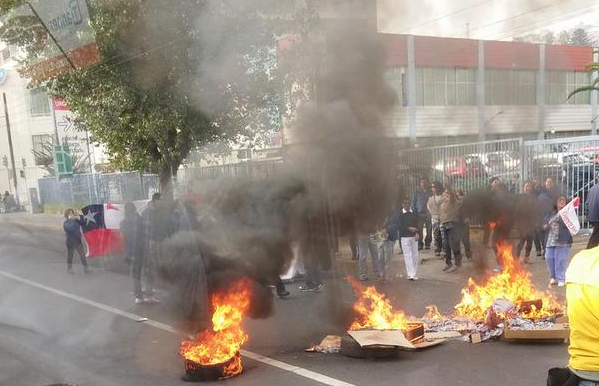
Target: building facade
459 90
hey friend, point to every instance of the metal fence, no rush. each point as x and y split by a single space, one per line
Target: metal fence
572 163
98 188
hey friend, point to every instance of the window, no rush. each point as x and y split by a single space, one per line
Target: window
559 84
40 103
40 146
445 86
510 87
394 78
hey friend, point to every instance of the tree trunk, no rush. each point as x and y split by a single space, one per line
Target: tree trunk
166 182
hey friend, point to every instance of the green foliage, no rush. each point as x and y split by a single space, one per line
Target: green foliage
176 76
581 37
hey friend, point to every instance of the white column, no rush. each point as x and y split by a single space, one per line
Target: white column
480 92
541 93
411 77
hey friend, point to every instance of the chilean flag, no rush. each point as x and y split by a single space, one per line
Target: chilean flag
101 223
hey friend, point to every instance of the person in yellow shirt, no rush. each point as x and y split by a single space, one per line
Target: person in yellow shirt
582 294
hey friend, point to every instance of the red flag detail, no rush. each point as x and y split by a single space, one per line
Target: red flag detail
102 242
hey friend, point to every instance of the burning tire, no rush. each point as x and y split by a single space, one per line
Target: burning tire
195 372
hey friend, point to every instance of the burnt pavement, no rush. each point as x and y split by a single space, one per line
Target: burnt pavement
86 329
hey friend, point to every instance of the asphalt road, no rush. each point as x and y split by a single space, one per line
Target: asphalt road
83 329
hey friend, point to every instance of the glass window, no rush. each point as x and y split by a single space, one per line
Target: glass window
445 87
559 84
40 103
513 87
41 143
394 79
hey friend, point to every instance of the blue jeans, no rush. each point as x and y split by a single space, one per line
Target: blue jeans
584 382
385 256
366 244
557 261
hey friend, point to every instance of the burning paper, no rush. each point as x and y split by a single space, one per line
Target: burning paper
223 342
374 310
514 285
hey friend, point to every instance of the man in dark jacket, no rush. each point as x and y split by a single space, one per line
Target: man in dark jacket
593 216
408 234
72 230
419 206
388 244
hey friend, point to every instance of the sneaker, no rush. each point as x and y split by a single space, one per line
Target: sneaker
139 301
552 281
561 284
415 278
539 254
378 278
283 294
410 278
437 253
151 300
452 269
497 269
469 255
447 267
363 278
70 270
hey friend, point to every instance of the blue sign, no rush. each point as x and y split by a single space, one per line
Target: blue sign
2 75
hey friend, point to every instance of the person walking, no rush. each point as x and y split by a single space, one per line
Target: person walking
155 225
528 225
420 207
390 235
132 230
593 216
449 223
434 208
409 236
367 244
559 242
464 226
74 239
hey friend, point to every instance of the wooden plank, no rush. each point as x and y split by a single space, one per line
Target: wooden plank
559 331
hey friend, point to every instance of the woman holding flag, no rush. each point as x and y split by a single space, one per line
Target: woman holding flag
559 242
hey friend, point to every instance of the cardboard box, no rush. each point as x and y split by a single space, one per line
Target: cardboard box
559 331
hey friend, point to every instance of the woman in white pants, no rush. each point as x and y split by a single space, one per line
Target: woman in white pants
408 235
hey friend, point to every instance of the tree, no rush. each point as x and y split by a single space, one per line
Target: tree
580 37
549 38
175 75
563 38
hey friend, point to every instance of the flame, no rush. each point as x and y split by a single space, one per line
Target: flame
433 314
223 342
513 283
492 224
374 310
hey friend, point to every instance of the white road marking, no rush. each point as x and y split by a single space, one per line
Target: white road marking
137 318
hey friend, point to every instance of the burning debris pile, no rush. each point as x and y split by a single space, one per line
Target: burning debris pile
507 300
214 354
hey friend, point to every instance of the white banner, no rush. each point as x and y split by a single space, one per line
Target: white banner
569 216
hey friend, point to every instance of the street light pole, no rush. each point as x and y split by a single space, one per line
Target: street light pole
12 154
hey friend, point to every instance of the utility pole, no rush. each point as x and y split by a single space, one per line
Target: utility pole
12 154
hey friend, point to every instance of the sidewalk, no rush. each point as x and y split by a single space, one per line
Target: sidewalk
40 221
